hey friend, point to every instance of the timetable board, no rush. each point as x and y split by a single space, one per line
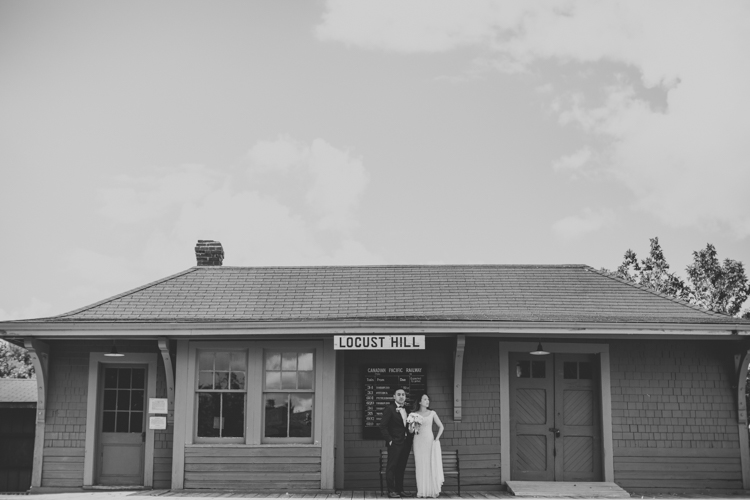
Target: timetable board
380 382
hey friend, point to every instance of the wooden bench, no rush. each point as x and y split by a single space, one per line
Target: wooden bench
450 467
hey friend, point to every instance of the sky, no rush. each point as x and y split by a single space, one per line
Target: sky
345 132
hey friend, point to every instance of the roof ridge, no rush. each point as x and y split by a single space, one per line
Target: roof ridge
120 295
381 266
677 300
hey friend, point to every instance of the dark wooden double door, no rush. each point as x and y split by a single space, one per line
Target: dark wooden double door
555 417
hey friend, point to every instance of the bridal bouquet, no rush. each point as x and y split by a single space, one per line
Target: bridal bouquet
414 421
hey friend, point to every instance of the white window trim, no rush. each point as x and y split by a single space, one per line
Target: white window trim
296 440
254 411
196 392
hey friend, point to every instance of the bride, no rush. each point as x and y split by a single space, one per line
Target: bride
428 457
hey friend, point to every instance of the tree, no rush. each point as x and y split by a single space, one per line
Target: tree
15 362
652 272
718 287
721 288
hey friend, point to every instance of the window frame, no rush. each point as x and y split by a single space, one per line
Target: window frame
254 390
197 392
298 350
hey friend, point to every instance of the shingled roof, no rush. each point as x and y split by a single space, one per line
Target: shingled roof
558 293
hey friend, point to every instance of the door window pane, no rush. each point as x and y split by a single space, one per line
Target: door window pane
523 369
136 401
570 370
108 421
123 405
110 378
123 400
110 400
136 421
139 379
123 378
585 370
123 421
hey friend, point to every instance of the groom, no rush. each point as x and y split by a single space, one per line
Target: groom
398 440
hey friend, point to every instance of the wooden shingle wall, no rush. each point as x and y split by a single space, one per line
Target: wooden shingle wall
674 421
65 433
252 468
476 437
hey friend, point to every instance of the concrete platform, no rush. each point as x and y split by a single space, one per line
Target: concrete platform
561 489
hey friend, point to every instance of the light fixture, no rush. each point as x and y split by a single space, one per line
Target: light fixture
113 353
539 350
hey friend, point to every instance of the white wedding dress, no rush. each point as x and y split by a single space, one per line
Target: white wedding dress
428 460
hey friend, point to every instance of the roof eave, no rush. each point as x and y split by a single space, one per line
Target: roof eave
361 327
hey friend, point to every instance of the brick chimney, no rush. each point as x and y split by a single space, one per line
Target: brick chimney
209 253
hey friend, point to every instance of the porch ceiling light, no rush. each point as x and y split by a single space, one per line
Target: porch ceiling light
113 353
539 350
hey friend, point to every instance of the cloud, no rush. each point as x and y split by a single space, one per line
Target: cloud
137 199
333 181
685 163
574 162
279 154
575 226
408 26
339 183
297 206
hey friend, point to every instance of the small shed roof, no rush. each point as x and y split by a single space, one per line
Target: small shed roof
18 390
533 293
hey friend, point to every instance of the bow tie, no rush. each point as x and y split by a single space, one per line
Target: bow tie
399 407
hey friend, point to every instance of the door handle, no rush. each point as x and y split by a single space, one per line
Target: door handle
556 431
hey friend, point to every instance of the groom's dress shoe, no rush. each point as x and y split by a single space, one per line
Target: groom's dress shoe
406 494
393 494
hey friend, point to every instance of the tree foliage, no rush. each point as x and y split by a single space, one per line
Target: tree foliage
712 285
15 362
715 286
652 272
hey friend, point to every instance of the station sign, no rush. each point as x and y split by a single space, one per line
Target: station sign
377 342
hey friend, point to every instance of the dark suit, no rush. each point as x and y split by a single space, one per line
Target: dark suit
394 431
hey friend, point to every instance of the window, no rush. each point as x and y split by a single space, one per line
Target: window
221 395
531 369
288 395
581 370
122 406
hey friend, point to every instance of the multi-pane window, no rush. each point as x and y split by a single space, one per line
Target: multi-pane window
581 370
122 407
221 394
531 369
288 394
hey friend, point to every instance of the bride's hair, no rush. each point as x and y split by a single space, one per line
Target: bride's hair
417 406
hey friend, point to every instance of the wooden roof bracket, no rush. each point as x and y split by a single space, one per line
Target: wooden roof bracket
741 362
169 371
39 354
458 369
